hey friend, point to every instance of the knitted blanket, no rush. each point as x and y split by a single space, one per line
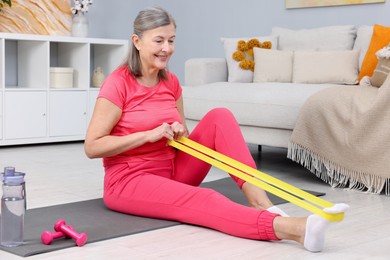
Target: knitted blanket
343 136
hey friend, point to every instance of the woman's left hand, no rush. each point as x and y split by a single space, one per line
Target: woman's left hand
178 130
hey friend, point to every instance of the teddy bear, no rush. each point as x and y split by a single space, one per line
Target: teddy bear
381 71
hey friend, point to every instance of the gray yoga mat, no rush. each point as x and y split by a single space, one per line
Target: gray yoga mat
100 223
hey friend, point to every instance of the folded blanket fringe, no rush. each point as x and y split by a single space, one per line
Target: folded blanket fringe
336 175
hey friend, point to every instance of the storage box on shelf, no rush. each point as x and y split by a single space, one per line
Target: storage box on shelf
37 106
61 77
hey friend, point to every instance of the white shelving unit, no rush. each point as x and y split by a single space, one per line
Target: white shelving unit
32 111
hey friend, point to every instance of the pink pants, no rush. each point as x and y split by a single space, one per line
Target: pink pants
169 189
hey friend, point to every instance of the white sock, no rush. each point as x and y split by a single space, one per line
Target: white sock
316 227
277 210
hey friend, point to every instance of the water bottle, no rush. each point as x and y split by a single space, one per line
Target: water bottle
12 210
8 171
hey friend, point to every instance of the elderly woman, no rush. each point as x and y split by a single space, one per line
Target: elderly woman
138 109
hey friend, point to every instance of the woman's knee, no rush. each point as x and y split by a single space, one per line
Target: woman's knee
220 111
220 114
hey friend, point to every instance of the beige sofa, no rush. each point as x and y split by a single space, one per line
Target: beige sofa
267 102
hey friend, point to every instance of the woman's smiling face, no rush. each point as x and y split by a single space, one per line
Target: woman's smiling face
156 47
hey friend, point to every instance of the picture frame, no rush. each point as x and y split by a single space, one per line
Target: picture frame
291 4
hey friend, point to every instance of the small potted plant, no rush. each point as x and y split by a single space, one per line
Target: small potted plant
80 20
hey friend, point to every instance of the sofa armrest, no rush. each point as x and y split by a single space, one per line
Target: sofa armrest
200 71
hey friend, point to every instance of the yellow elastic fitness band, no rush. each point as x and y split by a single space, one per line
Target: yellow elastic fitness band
268 183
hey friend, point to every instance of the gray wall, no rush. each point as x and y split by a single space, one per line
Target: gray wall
201 23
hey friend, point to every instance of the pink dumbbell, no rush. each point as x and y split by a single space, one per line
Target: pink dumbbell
47 237
60 226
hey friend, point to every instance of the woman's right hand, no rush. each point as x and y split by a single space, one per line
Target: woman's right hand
162 131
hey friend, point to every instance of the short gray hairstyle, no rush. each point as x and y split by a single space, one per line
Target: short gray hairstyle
147 19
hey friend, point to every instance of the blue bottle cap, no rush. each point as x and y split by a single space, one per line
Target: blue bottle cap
14 180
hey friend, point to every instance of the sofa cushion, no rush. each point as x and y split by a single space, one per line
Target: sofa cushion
235 73
363 38
272 65
317 39
338 67
273 105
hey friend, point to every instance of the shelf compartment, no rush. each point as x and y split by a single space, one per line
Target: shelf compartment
106 56
72 55
26 64
2 60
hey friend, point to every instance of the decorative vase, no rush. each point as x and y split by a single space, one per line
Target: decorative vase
80 25
98 77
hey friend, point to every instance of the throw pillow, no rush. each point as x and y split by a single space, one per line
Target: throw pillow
338 67
235 73
340 37
380 38
363 38
272 65
382 68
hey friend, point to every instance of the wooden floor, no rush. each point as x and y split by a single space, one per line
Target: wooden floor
60 173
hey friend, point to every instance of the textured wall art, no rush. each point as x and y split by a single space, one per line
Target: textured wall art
318 3
48 17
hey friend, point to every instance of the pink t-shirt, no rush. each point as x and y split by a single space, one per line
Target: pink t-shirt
143 108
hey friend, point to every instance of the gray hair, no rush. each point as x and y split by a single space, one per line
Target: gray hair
147 19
